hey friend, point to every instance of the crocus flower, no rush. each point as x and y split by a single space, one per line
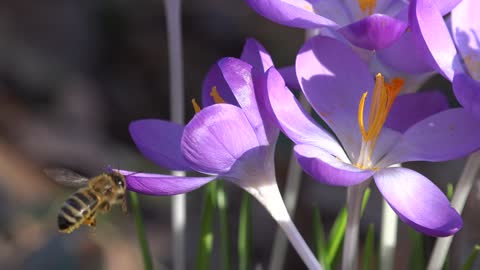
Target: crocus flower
340 88
455 53
368 24
231 138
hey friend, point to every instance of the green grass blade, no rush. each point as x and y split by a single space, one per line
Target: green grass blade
245 233
320 240
417 258
449 191
369 248
224 238
338 229
471 259
205 244
142 238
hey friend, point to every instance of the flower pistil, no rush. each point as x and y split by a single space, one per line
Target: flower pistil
384 95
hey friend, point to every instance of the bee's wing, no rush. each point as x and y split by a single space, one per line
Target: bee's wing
66 177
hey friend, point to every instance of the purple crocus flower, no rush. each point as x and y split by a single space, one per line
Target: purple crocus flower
455 53
368 24
340 88
232 140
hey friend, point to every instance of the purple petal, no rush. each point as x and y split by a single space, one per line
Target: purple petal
215 78
467 92
445 6
328 169
433 38
238 75
374 32
418 202
466 31
216 138
298 13
257 56
443 136
333 78
404 56
290 76
162 185
292 119
159 141
411 108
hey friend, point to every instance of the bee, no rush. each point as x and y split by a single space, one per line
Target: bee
97 194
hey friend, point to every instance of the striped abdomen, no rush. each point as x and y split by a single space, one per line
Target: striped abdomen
77 209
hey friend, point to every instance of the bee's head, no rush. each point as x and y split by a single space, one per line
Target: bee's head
118 179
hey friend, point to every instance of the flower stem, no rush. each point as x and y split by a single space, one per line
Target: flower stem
179 202
388 237
350 245
222 210
205 243
244 233
147 259
292 187
462 190
269 196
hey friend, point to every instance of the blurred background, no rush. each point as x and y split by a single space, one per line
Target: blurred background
73 74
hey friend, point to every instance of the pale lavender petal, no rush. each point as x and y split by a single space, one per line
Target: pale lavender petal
238 75
466 33
216 138
293 120
290 76
411 108
297 13
404 56
257 56
447 135
374 32
159 141
467 92
328 169
215 79
445 6
433 38
163 185
418 202
333 78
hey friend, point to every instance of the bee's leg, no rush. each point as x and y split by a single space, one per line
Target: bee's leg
90 220
104 207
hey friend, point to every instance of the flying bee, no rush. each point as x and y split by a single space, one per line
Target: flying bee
97 194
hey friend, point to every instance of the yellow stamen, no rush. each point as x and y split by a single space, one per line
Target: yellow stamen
196 107
367 6
384 95
216 96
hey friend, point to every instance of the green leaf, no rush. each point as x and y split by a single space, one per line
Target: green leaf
449 191
368 248
336 235
142 238
320 240
245 233
205 244
337 231
417 258
471 259
224 238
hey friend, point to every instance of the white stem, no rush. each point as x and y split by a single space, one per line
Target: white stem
269 196
292 187
388 237
350 245
174 37
462 190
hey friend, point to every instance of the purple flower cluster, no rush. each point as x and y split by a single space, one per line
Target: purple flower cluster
373 126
